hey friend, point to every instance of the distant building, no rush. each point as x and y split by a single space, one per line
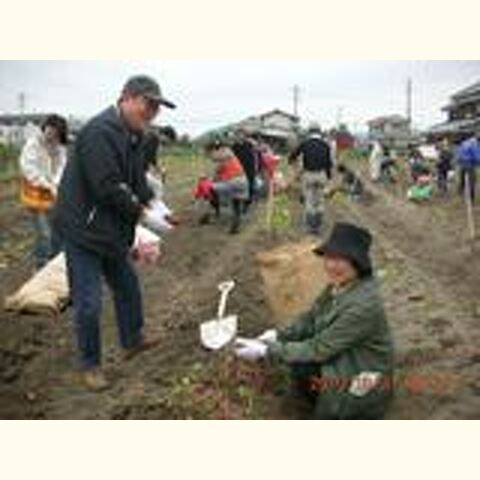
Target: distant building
277 127
343 138
15 128
463 113
391 130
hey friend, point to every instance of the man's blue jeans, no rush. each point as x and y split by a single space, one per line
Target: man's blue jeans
85 271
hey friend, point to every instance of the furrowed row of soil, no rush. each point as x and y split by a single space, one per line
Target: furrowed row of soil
428 279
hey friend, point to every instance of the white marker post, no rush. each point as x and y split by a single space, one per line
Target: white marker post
270 203
468 201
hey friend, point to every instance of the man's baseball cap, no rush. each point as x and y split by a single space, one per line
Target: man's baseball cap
147 87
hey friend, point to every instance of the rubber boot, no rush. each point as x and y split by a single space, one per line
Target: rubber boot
215 203
317 223
236 216
314 223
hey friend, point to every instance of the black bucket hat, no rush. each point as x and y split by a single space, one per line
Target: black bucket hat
351 242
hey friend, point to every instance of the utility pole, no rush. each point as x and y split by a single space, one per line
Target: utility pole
339 116
296 100
22 99
409 103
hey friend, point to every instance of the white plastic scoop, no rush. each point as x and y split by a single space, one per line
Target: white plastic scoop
216 334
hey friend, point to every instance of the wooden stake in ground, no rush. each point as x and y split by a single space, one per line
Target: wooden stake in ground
468 201
270 202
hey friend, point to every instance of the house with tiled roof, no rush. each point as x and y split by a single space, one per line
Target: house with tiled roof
463 114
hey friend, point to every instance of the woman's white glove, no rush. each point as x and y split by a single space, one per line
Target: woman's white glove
270 336
250 349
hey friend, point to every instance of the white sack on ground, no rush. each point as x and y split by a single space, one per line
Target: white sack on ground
46 292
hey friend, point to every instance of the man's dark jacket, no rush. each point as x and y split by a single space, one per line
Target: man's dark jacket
245 152
316 155
103 188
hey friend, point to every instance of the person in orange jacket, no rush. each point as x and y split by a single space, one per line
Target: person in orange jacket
230 184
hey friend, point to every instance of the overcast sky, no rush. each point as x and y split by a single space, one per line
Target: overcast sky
212 93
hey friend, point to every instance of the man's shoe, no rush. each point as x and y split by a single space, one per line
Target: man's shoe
235 225
143 346
94 380
205 219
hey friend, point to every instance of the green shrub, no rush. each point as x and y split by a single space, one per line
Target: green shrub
8 157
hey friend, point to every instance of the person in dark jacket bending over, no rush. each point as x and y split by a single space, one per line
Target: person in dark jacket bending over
102 196
244 150
340 352
317 168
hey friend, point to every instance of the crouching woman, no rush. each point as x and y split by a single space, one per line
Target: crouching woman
230 185
340 352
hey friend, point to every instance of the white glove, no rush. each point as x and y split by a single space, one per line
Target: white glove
250 349
155 217
270 336
364 383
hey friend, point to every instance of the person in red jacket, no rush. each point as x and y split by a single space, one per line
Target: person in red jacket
229 186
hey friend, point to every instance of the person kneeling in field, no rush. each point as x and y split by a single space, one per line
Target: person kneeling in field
340 352
350 184
228 187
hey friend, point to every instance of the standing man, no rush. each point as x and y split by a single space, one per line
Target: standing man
444 166
102 197
469 159
317 166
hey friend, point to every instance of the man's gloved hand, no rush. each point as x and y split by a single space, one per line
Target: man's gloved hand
250 349
270 336
155 217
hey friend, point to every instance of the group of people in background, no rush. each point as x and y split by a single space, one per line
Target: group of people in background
244 170
441 161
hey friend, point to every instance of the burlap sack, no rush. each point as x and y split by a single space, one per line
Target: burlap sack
46 292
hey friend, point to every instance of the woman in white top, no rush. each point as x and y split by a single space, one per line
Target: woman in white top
42 162
376 158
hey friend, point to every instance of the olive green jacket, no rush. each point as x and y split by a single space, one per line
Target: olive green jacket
343 335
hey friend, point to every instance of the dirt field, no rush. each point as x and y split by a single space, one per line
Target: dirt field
430 279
